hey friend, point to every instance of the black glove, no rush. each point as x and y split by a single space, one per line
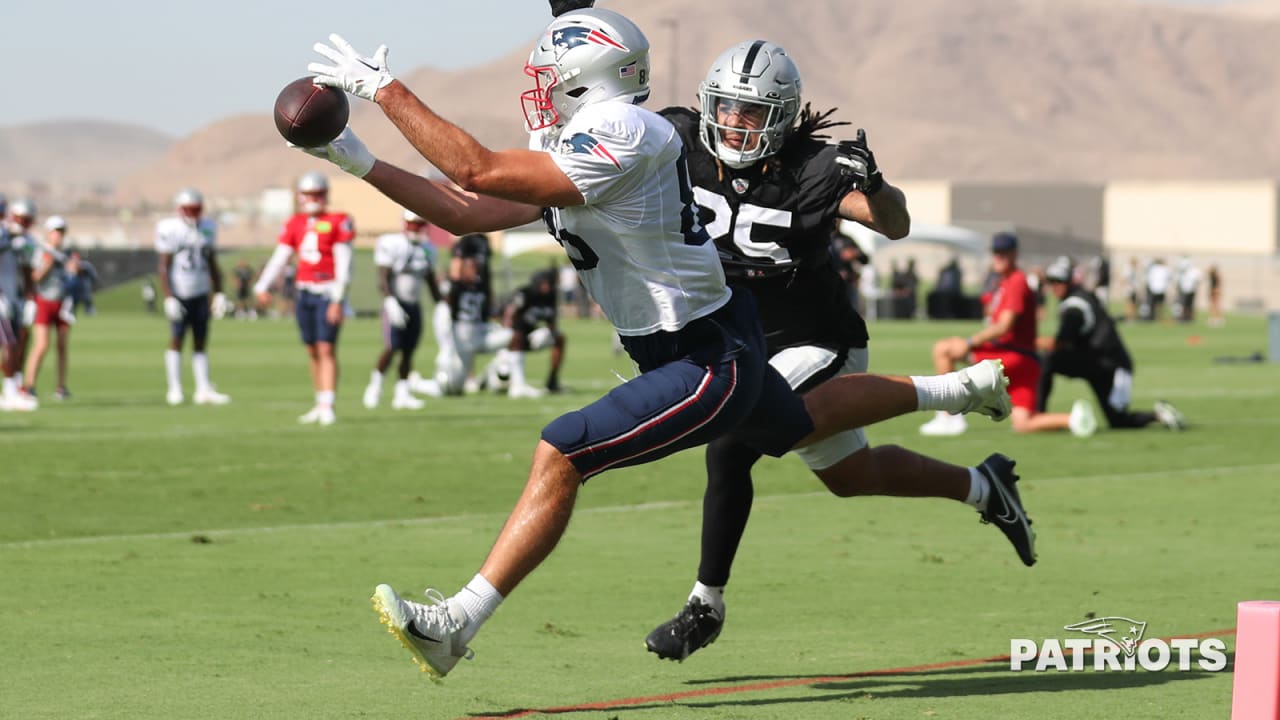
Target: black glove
858 164
560 7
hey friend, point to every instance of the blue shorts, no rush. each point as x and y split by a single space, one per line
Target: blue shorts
195 315
312 325
696 384
404 339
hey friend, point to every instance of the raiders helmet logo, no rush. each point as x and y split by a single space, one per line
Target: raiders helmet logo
741 185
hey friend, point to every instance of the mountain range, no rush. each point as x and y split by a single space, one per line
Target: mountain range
980 90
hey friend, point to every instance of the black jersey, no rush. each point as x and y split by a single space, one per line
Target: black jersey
1085 328
533 308
476 247
469 301
772 224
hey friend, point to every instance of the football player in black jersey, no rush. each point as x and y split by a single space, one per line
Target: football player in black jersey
770 189
1088 346
532 316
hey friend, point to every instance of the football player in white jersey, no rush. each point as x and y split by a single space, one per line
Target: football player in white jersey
187 266
404 263
610 182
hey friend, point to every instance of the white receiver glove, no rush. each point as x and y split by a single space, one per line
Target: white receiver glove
173 309
219 307
358 75
29 313
395 314
346 151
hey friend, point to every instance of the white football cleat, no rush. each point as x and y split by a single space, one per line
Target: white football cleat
988 389
945 425
311 417
429 631
423 386
209 396
524 391
22 402
174 396
406 402
327 416
1169 416
1082 422
372 395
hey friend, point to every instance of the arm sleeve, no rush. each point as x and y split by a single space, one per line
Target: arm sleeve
341 270
273 268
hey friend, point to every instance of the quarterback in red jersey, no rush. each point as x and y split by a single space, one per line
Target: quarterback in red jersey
322 242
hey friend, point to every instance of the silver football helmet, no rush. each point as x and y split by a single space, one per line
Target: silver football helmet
21 215
312 182
758 85
584 57
190 204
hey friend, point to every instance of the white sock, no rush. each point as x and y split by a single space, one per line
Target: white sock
10 386
375 379
709 594
200 368
402 388
173 369
979 489
324 398
478 599
939 392
517 368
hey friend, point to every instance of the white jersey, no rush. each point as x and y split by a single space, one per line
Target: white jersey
409 261
636 243
53 286
191 247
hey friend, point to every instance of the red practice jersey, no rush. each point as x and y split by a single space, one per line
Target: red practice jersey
1014 294
312 237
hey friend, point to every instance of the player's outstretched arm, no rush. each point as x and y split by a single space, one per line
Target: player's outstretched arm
521 176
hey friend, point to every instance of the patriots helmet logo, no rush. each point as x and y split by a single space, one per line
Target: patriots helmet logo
1125 633
583 143
566 38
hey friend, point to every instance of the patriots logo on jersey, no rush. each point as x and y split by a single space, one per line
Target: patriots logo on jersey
565 39
584 143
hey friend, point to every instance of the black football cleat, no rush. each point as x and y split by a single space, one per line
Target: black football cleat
1004 507
696 626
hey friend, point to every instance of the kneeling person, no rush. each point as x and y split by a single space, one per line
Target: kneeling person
1088 346
531 314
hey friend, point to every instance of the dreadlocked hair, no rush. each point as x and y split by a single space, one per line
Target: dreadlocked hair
812 121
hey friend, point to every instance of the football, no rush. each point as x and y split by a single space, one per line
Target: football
310 115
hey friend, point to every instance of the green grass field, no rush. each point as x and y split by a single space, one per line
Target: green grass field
192 562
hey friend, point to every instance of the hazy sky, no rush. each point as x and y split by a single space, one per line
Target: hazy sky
177 65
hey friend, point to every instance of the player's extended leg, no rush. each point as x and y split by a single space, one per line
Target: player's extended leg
854 401
696 385
726 507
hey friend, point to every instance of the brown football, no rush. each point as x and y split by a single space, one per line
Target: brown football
310 115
